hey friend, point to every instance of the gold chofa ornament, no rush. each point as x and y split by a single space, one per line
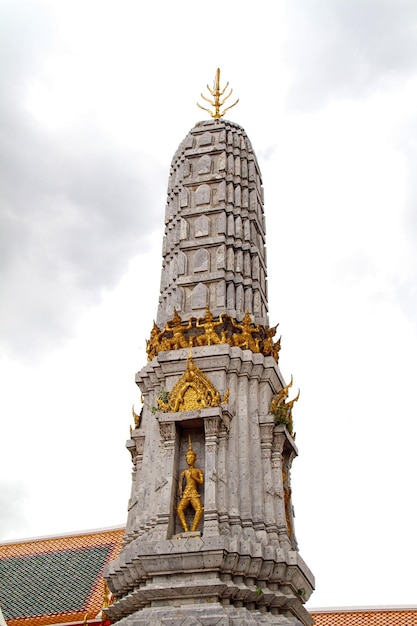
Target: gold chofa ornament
217 101
193 391
282 410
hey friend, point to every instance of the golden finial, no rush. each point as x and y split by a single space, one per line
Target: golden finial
217 103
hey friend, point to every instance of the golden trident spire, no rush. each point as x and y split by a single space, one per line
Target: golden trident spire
217 103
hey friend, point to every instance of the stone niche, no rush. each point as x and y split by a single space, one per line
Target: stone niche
207 430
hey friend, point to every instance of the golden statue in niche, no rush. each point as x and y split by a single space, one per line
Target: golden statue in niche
190 496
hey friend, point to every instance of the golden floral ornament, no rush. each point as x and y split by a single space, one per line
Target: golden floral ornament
193 391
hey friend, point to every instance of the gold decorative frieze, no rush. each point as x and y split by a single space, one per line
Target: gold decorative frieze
208 331
282 410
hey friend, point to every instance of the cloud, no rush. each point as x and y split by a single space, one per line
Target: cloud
405 287
347 49
13 501
75 205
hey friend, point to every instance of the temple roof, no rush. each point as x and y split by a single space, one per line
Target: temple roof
56 580
366 617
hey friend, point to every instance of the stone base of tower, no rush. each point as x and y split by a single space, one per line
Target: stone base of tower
206 615
217 580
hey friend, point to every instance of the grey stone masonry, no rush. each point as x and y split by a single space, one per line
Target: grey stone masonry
240 565
214 244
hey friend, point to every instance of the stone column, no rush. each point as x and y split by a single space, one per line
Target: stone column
211 517
221 479
270 495
166 484
289 512
135 446
244 453
277 461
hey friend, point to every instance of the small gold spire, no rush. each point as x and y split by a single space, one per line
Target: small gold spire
217 102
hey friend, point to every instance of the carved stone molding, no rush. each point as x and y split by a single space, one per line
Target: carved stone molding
212 426
218 413
167 430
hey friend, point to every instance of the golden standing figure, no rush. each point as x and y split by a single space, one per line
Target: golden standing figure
245 338
175 326
210 336
190 495
153 345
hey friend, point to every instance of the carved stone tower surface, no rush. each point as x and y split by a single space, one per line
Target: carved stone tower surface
210 533
214 244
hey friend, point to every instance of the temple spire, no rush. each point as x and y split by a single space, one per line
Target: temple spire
215 543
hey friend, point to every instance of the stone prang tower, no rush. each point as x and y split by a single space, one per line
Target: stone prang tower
210 533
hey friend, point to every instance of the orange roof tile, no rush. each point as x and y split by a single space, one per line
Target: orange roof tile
366 617
55 580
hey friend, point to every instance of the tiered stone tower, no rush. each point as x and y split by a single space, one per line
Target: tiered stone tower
213 399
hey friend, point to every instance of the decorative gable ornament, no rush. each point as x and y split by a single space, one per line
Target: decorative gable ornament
193 391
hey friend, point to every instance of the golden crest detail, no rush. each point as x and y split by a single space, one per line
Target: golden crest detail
193 391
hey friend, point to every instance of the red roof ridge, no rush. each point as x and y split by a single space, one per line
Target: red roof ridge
78 533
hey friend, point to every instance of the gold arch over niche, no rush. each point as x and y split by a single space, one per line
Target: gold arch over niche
193 391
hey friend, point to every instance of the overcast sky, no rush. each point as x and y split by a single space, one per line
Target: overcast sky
95 98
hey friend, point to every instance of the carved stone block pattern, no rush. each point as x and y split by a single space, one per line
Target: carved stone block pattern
199 296
201 261
202 195
202 226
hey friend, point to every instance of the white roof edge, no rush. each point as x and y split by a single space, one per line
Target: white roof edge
2 620
354 609
76 533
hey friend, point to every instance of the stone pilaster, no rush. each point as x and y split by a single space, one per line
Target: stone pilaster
266 424
167 482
